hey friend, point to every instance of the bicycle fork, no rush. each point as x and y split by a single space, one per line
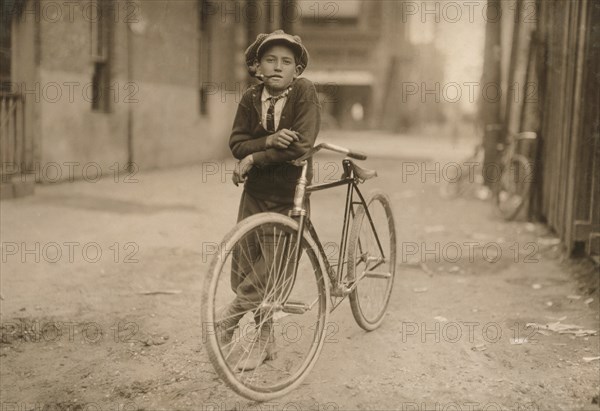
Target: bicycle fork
299 213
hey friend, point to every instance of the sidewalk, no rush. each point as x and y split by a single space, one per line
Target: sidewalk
101 287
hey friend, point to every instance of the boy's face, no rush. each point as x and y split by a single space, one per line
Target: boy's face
278 67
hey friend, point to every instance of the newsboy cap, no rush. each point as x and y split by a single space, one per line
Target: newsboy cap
255 50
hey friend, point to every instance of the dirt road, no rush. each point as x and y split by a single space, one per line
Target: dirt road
101 310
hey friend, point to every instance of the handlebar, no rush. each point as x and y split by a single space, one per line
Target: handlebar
357 155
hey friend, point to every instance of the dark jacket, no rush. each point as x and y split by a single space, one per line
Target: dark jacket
272 177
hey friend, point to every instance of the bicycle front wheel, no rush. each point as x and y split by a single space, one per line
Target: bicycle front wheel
264 322
372 261
512 191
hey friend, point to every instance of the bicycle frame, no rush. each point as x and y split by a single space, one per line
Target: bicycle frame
299 213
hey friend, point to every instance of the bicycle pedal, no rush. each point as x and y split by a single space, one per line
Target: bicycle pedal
295 307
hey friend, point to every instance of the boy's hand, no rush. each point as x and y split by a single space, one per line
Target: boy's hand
282 139
241 169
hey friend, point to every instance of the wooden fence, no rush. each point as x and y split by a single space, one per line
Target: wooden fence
567 185
554 61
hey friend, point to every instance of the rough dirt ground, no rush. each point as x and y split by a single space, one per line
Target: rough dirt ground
79 334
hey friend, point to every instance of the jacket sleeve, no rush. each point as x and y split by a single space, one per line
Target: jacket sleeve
307 121
241 141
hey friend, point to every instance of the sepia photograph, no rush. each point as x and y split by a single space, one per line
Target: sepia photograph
325 205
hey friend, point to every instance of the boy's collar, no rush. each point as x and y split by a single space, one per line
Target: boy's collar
265 95
257 90
260 86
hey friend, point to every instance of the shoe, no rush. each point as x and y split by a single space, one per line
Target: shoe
262 349
227 325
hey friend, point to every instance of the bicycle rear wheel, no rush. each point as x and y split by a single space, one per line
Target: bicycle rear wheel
373 270
512 191
255 259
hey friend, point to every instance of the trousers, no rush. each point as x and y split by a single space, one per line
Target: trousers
260 263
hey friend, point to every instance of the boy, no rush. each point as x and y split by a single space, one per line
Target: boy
277 121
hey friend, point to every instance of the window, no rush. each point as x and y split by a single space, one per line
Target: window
101 47
328 11
5 48
101 87
204 66
204 99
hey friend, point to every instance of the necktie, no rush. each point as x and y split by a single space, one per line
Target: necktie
271 110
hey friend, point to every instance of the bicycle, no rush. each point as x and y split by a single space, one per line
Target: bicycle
511 192
301 286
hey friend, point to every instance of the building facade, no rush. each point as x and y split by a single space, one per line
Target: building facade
115 83
367 64
149 84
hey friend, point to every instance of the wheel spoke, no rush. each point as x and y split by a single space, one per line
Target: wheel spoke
269 314
372 272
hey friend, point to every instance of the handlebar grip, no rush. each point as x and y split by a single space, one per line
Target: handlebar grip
357 155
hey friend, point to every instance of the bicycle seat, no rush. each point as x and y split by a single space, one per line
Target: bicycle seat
363 174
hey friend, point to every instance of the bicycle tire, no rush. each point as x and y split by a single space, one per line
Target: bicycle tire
512 191
362 238
254 385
